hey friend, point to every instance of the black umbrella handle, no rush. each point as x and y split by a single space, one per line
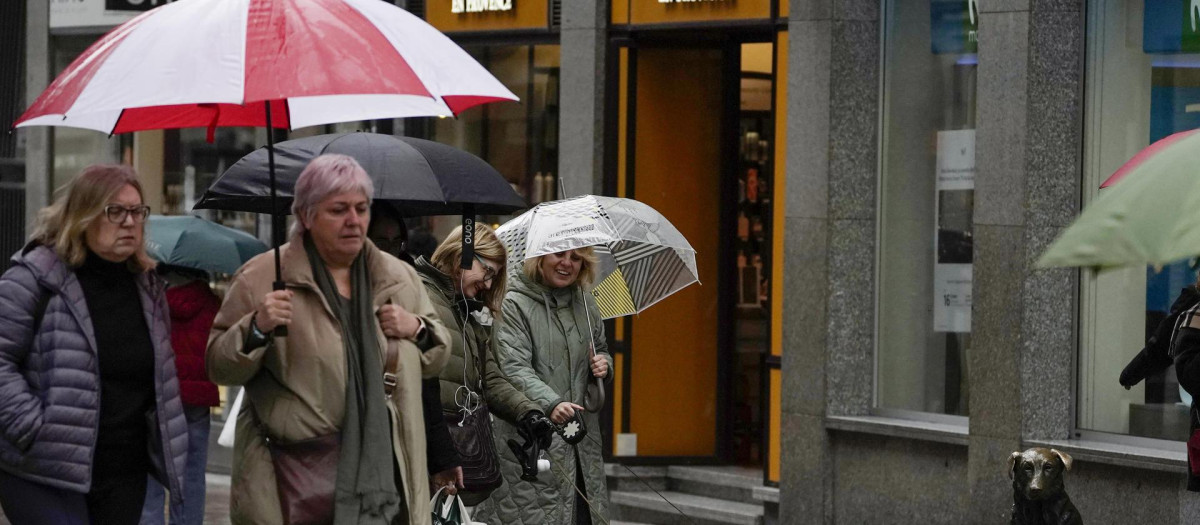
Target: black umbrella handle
281 330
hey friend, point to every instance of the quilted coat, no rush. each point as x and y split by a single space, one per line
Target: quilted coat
543 349
50 382
193 308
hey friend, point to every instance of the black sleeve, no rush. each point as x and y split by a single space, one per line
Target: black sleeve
1187 366
1155 357
439 450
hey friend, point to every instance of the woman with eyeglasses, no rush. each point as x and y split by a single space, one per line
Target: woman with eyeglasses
467 301
89 399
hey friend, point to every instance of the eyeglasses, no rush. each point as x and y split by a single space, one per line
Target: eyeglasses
489 271
116 213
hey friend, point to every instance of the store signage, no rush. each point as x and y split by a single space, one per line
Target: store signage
72 14
955 26
133 5
480 6
1171 26
639 12
492 16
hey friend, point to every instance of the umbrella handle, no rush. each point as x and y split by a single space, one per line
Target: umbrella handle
281 330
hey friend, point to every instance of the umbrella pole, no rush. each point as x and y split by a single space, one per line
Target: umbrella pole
280 331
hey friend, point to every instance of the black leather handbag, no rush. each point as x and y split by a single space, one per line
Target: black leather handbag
474 443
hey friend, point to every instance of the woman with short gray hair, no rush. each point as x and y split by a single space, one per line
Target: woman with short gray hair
333 432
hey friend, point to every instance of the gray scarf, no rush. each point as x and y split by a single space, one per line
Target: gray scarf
366 491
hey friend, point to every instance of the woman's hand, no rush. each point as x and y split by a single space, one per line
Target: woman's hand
274 310
398 323
599 366
564 411
451 478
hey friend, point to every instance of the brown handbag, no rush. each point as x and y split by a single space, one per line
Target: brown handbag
306 475
306 470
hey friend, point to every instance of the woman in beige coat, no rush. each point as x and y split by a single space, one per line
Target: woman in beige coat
347 306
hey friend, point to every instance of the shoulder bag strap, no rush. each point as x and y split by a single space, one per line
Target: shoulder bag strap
391 366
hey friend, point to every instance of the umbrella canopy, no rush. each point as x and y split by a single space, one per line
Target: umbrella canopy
209 63
419 177
643 258
1145 217
192 242
275 63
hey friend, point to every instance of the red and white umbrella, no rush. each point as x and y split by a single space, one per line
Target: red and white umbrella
277 63
209 63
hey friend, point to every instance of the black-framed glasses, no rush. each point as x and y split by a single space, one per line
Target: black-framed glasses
489 271
116 213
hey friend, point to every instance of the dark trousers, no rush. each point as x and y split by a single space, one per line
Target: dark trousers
583 511
28 503
113 500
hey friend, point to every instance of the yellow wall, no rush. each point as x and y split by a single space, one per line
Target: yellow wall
673 387
654 12
619 12
777 251
526 14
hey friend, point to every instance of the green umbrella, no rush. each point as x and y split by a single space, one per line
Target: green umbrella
1149 215
192 242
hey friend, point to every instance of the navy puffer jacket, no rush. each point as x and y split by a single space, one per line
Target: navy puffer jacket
49 377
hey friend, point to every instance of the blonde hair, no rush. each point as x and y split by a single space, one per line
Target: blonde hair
448 256
326 175
587 267
64 224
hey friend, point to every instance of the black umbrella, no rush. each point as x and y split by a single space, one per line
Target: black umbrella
419 177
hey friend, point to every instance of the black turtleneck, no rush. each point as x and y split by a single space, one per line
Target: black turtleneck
126 362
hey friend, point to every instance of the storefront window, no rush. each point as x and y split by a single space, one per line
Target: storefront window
927 199
1143 84
76 149
519 140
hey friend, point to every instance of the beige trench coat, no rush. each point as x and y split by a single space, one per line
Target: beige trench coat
297 385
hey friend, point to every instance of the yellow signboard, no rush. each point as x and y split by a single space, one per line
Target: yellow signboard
639 12
456 16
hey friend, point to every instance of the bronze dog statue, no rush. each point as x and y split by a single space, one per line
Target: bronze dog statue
1039 496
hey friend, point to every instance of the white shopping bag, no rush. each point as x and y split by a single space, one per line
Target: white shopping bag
450 510
226 437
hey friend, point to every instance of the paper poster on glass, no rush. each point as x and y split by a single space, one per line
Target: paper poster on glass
952 269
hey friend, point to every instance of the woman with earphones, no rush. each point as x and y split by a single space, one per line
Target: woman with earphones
468 300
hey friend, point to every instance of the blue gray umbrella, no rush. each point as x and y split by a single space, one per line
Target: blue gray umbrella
192 242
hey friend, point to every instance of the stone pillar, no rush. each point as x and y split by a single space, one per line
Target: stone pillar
581 96
1027 190
39 145
832 122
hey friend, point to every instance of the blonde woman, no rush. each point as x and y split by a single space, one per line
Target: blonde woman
468 301
550 325
89 400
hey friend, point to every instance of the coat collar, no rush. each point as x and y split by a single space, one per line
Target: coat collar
297 271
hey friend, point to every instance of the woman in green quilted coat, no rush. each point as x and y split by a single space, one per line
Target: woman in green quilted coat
465 300
545 342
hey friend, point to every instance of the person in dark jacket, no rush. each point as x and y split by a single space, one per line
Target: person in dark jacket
193 307
1185 353
388 233
1155 356
89 399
